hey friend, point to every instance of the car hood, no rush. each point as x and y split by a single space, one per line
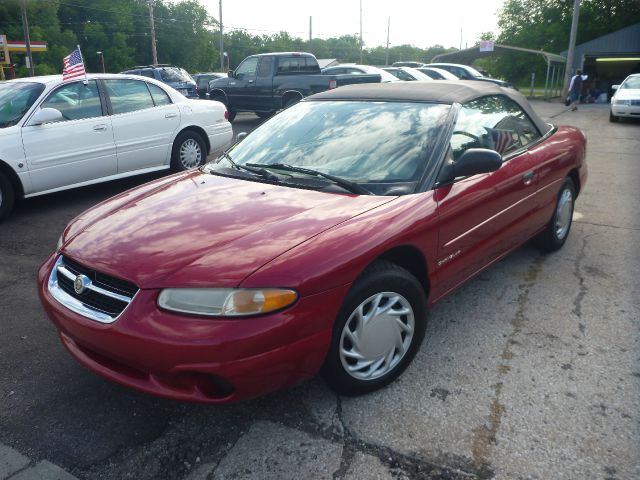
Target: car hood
202 230
627 93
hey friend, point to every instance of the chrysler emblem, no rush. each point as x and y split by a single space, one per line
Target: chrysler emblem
81 283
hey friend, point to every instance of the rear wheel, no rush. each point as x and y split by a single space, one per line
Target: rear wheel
612 117
378 330
552 238
189 151
265 114
7 197
290 102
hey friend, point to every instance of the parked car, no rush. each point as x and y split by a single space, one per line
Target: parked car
352 68
437 73
408 64
626 99
466 72
407 74
202 82
269 82
57 134
318 242
175 77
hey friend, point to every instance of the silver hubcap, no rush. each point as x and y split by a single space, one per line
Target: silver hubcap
377 336
564 210
190 153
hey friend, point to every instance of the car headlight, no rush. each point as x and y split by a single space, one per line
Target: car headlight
620 102
226 302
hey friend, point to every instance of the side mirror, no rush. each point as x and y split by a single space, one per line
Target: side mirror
475 161
230 74
240 136
47 115
615 87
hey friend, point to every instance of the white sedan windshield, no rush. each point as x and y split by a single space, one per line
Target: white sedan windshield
16 99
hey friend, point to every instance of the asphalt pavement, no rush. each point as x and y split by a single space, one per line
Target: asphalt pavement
530 371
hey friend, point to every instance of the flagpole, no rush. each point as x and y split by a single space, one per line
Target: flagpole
86 79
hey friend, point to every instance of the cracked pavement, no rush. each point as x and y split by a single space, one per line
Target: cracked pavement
530 371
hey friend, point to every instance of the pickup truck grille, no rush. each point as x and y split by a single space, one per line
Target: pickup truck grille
99 297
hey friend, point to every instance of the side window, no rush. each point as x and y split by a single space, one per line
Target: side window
76 101
248 67
147 73
496 123
295 64
160 97
128 95
265 67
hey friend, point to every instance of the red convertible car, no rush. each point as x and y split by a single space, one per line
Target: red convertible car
315 244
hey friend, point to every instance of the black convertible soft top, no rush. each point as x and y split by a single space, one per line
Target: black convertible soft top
440 91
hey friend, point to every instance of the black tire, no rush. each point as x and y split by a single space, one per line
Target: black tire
192 142
292 101
613 118
552 238
231 113
7 197
380 279
265 114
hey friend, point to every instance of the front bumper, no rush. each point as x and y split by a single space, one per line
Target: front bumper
632 111
198 359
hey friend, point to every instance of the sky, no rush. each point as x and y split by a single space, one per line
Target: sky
422 23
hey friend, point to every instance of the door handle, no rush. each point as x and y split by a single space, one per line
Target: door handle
251 81
99 128
171 115
528 177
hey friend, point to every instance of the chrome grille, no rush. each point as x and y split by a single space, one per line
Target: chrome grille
634 102
102 298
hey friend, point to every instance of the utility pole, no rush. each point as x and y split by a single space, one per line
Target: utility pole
104 70
154 52
221 41
361 43
27 40
461 25
572 47
386 61
310 29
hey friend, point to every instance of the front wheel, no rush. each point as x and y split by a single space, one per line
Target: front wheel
7 197
612 117
378 330
189 151
552 238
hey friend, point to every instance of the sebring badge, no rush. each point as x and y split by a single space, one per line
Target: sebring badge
81 283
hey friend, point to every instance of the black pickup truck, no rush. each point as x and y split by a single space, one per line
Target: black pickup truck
268 82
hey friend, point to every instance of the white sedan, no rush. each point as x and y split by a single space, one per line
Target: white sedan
626 101
56 135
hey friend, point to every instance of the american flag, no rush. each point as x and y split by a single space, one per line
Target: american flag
73 65
502 140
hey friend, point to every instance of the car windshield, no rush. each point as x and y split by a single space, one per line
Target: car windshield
384 76
174 74
16 99
631 82
473 71
360 141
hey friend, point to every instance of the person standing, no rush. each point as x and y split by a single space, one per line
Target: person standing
575 89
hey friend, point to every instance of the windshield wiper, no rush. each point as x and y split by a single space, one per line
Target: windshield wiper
258 171
346 184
